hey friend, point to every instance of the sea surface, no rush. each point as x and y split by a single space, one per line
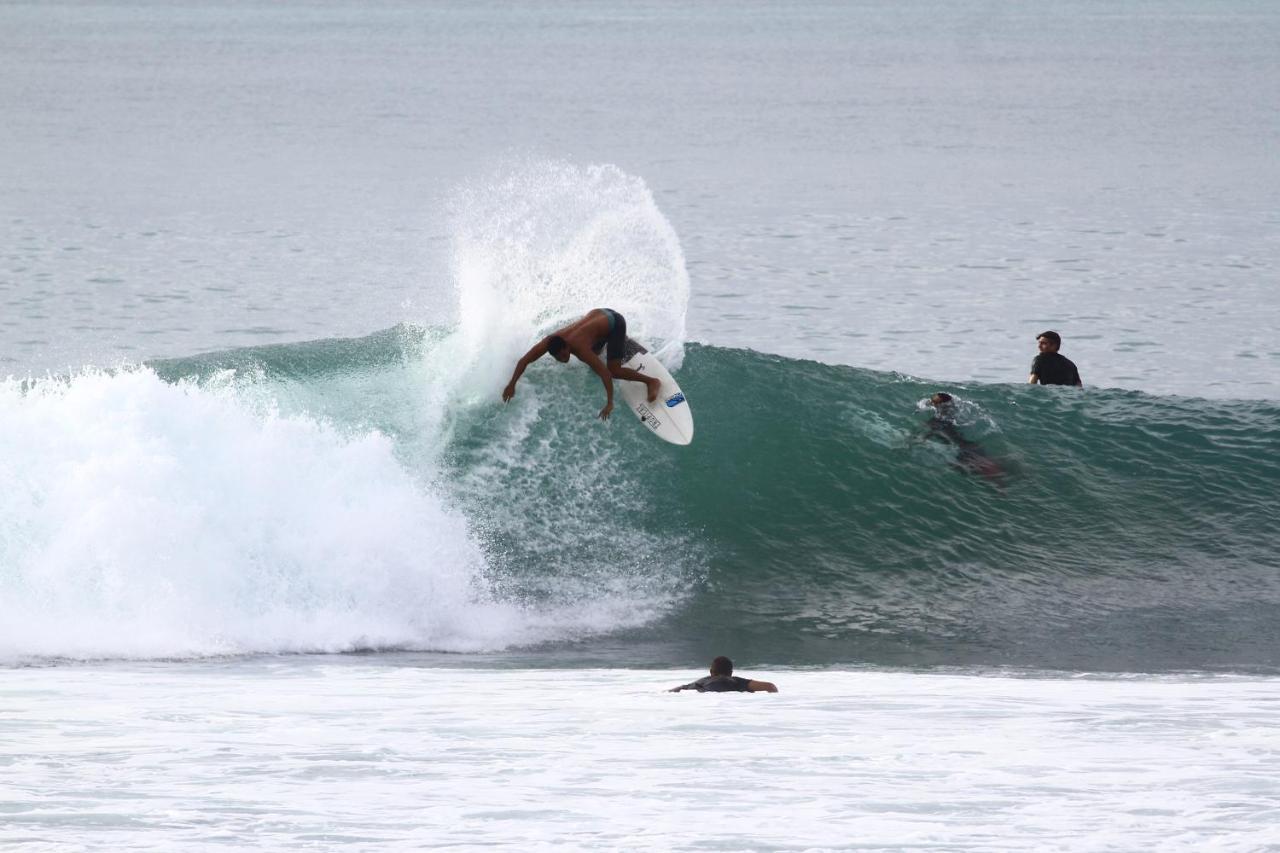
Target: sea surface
279 570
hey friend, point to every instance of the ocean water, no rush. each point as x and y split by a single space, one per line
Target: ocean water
918 187
279 570
351 754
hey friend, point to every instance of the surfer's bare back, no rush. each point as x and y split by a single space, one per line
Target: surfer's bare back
585 339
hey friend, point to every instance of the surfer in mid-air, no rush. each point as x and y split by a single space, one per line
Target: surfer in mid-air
600 329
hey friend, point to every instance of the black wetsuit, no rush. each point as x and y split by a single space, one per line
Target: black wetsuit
719 684
970 456
946 430
1053 368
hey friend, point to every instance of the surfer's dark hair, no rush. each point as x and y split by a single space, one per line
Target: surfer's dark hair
940 397
555 343
1052 337
722 666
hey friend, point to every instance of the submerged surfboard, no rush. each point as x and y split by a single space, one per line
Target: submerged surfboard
668 417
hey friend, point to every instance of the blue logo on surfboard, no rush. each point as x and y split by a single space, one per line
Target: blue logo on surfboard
675 400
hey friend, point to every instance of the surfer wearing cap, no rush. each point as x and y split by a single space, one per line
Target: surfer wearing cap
1051 367
598 329
722 680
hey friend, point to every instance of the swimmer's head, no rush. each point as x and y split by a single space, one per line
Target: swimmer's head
558 348
722 666
944 406
1049 341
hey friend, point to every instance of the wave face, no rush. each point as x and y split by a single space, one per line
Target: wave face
375 494
1105 530
301 498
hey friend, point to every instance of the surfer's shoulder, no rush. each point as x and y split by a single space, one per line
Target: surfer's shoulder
722 680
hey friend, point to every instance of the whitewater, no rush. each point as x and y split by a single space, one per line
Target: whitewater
279 569
352 754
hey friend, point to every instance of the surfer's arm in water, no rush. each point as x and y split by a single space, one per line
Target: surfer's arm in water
750 685
536 352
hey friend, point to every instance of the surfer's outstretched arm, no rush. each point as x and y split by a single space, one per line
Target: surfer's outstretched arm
536 352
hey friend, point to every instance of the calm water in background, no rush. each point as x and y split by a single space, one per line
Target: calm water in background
913 187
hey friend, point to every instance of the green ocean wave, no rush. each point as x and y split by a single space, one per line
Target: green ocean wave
816 518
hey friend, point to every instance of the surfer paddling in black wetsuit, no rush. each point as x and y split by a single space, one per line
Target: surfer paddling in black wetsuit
969 454
722 680
598 329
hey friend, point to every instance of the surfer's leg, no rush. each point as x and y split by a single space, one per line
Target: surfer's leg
620 372
618 351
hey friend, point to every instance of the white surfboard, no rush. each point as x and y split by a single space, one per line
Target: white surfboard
668 417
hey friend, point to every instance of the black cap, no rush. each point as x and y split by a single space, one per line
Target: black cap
1051 335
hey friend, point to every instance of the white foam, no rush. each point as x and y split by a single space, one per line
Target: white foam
379 755
140 518
143 518
536 244
541 243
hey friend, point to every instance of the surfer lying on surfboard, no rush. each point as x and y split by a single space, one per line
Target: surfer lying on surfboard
600 327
